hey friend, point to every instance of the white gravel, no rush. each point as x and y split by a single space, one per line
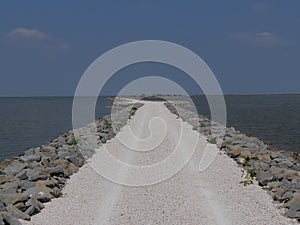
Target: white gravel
214 196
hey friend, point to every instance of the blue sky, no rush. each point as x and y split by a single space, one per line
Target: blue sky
251 46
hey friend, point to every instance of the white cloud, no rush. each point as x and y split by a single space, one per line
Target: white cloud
36 36
260 39
22 33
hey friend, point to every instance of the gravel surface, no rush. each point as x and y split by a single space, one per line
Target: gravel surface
214 196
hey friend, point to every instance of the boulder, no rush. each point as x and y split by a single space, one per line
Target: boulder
234 150
290 174
294 210
41 192
34 206
11 199
264 177
277 193
286 196
3 179
31 158
21 206
12 210
40 176
22 175
9 219
53 171
264 156
48 150
245 152
12 167
1 220
47 183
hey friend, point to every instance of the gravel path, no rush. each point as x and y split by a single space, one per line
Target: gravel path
214 196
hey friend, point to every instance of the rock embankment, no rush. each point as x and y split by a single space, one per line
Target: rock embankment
276 170
38 175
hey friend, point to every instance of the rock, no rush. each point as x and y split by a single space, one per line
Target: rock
264 156
245 152
21 206
30 151
34 205
76 161
3 179
33 165
40 176
22 175
12 184
2 206
234 150
47 183
263 177
31 158
295 198
260 166
1 219
40 191
241 160
286 196
294 210
56 192
45 161
12 210
277 172
13 167
277 193
48 150
14 198
290 174
9 219
27 184
53 171
68 167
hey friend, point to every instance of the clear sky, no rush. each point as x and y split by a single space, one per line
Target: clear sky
251 46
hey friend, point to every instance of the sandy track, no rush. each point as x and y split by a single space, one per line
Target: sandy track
211 197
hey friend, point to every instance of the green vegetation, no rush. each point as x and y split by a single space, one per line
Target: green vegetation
248 173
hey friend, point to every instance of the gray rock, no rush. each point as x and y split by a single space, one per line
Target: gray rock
48 150
12 210
1 220
40 176
294 210
264 177
286 196
21 206
27 184
41 192
2 206
3 179
34 205
14 198
9 219
13 168
22 175
31 158
32 210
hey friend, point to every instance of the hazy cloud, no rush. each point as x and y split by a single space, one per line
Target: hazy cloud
260 39
36 36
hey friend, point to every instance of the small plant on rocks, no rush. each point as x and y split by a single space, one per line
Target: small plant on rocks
248 173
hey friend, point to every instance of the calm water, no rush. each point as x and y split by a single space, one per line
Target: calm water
31 122
274 118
